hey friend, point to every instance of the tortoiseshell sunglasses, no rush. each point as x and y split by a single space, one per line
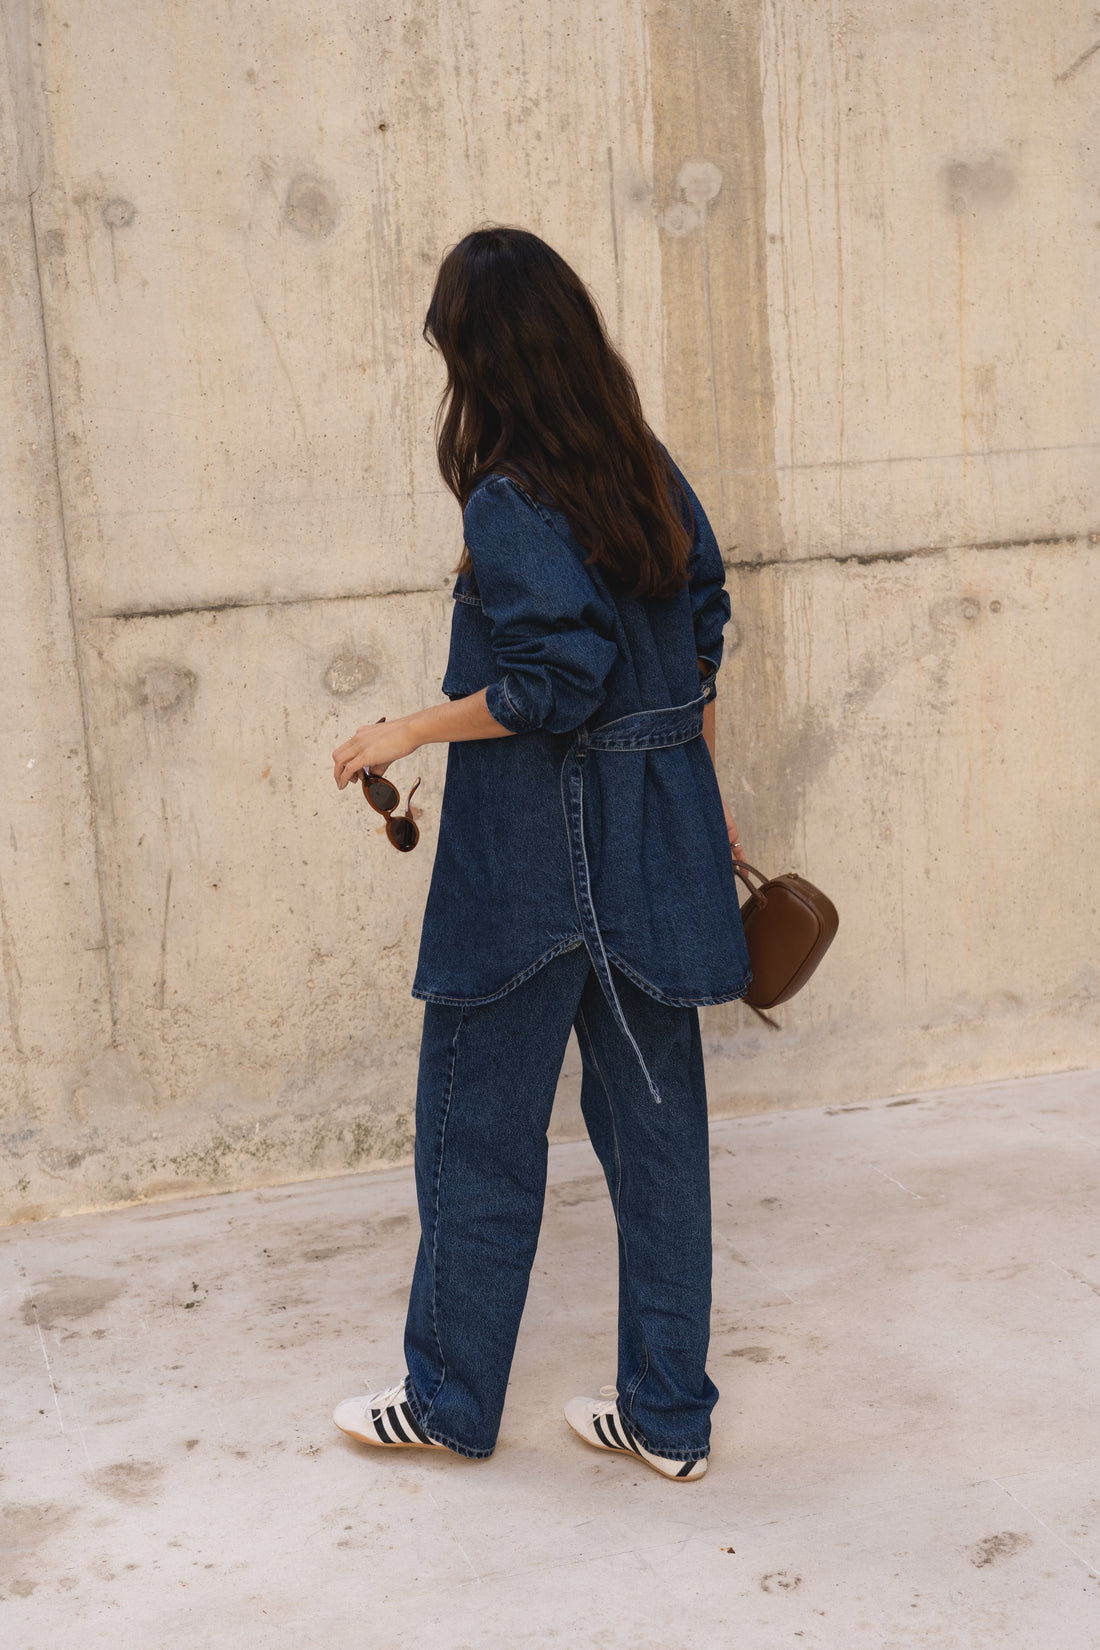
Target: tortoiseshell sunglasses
383 798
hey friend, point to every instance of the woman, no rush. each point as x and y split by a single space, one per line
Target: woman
582 875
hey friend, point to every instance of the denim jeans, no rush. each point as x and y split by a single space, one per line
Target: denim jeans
488 1072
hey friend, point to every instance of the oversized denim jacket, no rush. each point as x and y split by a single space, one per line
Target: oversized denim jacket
601 823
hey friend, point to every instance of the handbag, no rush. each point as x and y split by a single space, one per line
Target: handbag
789 925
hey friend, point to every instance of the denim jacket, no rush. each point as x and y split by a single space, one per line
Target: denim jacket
601 823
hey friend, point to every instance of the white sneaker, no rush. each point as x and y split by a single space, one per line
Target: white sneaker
597 1421
383 1418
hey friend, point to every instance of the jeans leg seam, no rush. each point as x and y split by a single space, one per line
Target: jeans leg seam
632 1392
436 1182
611 1111
634 1385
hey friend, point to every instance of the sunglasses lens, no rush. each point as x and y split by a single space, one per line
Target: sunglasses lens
404 834
382 793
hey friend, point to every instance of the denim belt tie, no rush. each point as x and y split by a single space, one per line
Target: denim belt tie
642 730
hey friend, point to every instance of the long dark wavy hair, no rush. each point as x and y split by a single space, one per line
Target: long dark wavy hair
536 390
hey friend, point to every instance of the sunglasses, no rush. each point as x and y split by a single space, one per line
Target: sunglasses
383 798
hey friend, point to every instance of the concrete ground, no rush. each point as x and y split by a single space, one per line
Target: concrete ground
906 1334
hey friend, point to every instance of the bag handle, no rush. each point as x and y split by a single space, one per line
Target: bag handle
742 868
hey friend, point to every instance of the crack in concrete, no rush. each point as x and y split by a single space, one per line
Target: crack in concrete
1078 62
233 605
13 982
865 558
1020 1502
74 630
1086 1283
162 973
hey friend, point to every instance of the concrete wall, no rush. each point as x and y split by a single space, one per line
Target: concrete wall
850 252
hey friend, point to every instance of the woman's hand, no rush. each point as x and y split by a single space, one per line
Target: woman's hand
373 747
734 836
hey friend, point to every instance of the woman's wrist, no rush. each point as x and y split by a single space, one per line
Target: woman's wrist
416 728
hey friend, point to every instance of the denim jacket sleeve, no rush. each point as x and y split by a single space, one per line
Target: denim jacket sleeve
552 632
710 603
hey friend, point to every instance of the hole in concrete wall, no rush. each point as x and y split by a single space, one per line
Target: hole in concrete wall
699 181
348 672
309 207
164 686
118 213
971 185
681 218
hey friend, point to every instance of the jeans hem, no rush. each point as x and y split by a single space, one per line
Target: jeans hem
698 1454
438 1437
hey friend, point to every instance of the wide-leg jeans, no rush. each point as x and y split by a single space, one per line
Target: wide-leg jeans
488 1072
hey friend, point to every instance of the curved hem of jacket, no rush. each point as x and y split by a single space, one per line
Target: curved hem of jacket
447 999
571 943
677 1002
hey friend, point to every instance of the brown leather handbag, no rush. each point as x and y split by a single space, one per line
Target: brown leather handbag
789 925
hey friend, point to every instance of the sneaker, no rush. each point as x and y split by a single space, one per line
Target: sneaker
597 1421
383 1418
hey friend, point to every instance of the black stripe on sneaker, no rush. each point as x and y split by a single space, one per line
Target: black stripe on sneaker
602 1435
376 1417
410 1421
617 1429
685 1469
395 1425
629 1436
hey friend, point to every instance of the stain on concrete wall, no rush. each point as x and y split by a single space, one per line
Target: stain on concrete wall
846 249
709 180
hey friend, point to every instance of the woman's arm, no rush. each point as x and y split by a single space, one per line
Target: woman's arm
552 638
380 743
708 738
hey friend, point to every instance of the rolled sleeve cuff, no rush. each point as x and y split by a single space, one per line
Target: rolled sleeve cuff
502 710
711 618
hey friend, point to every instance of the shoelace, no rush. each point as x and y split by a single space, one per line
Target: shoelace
383 1400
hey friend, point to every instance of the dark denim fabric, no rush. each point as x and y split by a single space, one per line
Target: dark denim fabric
487 1078
603 821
